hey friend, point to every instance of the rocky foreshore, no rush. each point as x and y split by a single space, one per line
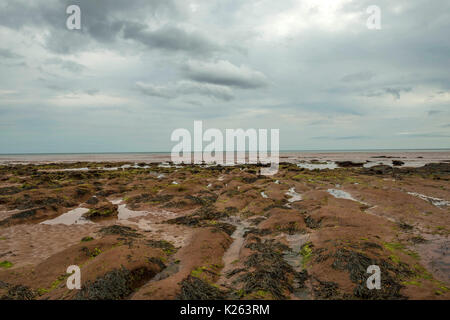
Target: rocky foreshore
148 230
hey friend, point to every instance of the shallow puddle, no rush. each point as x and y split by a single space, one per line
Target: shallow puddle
294 195
440 203
320 166
170 270
72 217
369 211
125 213
231 256
435 255
295 260
295 242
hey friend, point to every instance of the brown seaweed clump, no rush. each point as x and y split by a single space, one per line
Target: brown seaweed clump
106 210
19 292
193 288
270 272
356 264
114 285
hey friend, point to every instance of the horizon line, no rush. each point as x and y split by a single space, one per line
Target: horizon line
281 151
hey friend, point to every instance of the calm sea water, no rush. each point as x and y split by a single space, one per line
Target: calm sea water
412 157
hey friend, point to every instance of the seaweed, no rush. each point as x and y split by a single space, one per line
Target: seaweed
147 198
102 211
204 200
193 288
258 232
225 227
290 228
6 264
92 200
205 216
306 252
271 273
271 278
325 289
82 190
268 246
249 180
91 253
166 246
190 221
8 191
86 239
405 226
312 223
19 292
371 245
356 264
257 221
178 204
120 230
158 262
114 285
24 214
234 272
300 278
231 210
418 239
349 164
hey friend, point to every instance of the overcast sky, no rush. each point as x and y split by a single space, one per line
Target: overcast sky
139 69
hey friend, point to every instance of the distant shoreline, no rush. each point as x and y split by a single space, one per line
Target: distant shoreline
281 151
413 158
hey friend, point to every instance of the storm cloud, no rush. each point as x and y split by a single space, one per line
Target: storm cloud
139 69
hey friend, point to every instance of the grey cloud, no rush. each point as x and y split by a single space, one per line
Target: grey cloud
92 92
169 37
55 87
360 76
14 64
427 135
352 137
225 73
66 64
155 91
394 92
8 54
341 137
182 88
102 21
254 62
434 112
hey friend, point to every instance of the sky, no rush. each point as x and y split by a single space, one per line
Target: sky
139 69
